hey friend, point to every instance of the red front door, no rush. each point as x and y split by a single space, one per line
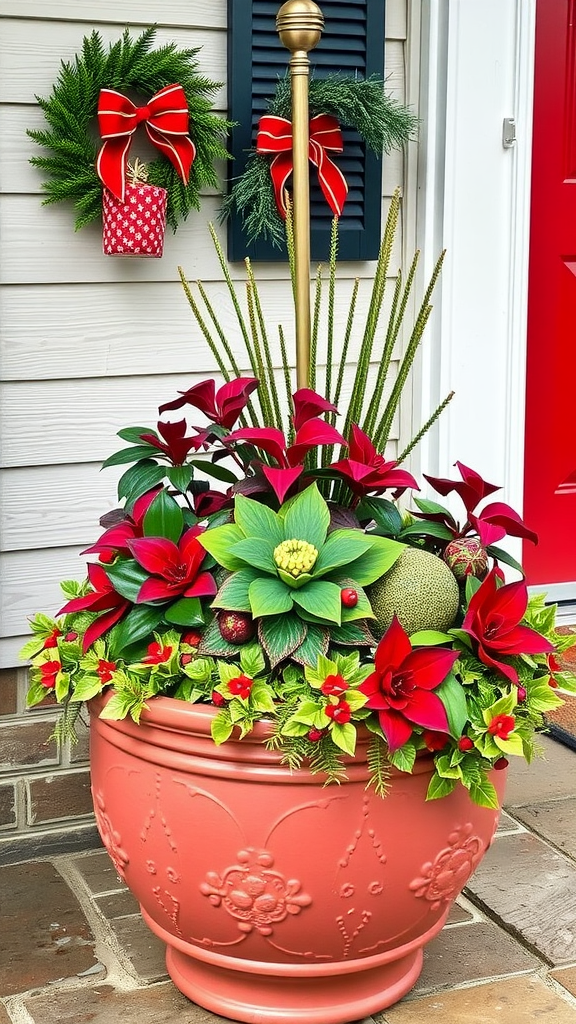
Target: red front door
550 451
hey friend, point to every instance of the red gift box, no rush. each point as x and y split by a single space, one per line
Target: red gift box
135 227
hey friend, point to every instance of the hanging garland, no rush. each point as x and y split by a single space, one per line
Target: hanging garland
258 194
166 80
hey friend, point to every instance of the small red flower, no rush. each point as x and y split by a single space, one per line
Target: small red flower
435 740
241 686
218 699
107 557
52 640
334 686
157 654
341 713
48 672
105 670
502 726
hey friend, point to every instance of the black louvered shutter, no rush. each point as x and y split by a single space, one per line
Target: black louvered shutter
352 42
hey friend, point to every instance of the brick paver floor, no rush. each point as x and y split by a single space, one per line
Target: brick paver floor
73 948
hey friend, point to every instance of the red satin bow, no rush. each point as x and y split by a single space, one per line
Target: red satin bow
275 136
166 120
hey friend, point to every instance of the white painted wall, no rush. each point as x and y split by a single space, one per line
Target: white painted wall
88 343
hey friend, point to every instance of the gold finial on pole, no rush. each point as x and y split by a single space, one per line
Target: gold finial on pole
299 24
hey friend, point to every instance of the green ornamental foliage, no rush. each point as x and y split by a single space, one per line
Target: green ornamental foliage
236 572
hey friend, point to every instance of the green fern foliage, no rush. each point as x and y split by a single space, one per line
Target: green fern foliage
70 139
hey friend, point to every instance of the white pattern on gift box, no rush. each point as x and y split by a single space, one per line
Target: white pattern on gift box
120 221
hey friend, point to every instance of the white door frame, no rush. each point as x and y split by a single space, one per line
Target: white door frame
476 68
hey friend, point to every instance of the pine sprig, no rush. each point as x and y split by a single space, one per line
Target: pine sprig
381 121
70 111
379 766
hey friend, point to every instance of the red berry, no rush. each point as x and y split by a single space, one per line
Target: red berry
71 636
315 734
500 764
465 743
236 627
218 699
185 659
349 597
106 556
521 693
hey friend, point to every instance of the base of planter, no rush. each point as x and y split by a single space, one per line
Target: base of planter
263 999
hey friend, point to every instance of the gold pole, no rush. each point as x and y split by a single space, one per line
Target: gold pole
299 24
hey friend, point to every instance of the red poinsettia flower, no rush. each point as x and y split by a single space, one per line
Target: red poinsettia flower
102 598
223 406
124 528
208 502
367 472
175 568
308 405
471 488
400 687
175 446
492 523
496 520
290 458
493 621
435 741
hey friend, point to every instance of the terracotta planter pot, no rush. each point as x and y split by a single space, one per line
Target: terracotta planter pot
279 900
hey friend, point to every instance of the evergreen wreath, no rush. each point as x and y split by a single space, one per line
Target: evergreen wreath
72 135
382 122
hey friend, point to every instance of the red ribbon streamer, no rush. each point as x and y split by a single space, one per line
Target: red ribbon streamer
165 118
275 136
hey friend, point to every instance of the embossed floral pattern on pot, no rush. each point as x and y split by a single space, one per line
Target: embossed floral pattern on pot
257 897
109 836
444 878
